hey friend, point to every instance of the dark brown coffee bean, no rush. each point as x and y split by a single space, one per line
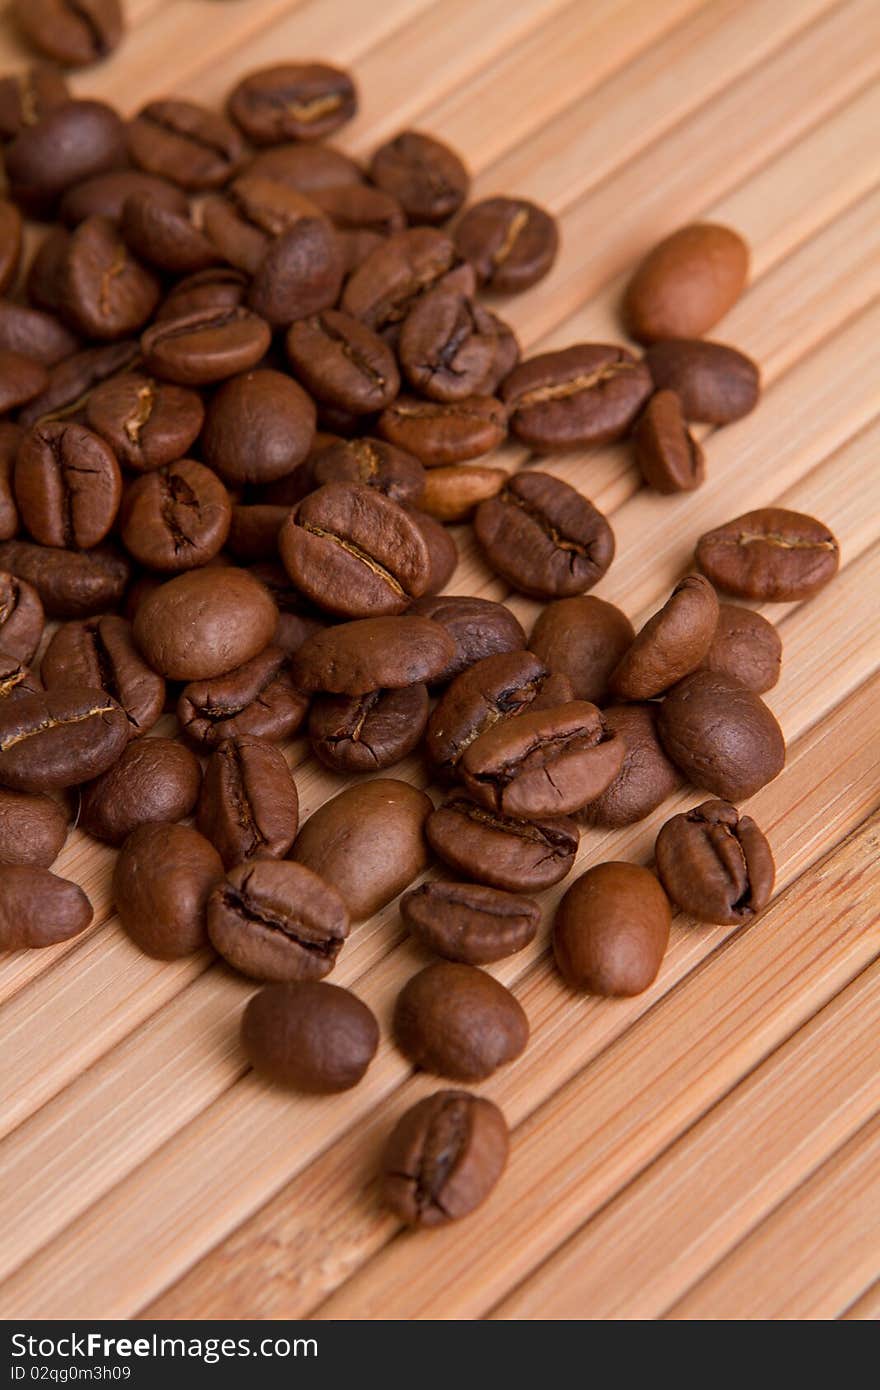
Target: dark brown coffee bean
300 274
372 654
387 284
425 176
59 738
175 518
33 333
669 458
576 398
646 776
105 292
101 655
770 554
686 283
205 623
253 211
453 491
448 345
543 537
293 101
672 643
259 426
248 807
715 383
745 647
165 237
442 550
162 880
218 287
491 689
443 1158
105 195
38 908
364 733
368 842
71 32
10 243
310 1036
342 362
147 423
156 779
582 638
70 583
460 1022
478 626
721 735
68 144
17 678
72 381
257 698
186 143
21 379
33 828
469 922
510 242
26 96
356 207
10 438
21 617
375 464
274 920
611 930
307 168
517 855
440 433
715 865
67 485
205 347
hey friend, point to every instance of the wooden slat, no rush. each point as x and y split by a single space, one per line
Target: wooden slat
866 1308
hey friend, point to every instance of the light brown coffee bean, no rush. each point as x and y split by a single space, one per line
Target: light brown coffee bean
611 930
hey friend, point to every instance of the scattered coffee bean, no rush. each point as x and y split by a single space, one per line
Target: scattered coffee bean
71 32
715 865
21 617
27 95
715 383
293 101
175 518
447 345
510 242
38 908
365 733
425 176
105 195
242 223
33 828
668 456
67 485
770 554
164 237
147 423
204 347
443 1158
440 433
275 920
459 1022
310 1036
258 427
745 647
721 735
343 362
59 738
155 779
478 626
469 922
186 143
204 623
305 167
70 583
375 464
517 855
100 654
543 537
21 378
300 274
372 654
646 776
687 283
105 292
258 698
248 807
218 287
69 143
576 398
452 492
388 282
72 381
162 880
34 334
582 638
671 644
611 930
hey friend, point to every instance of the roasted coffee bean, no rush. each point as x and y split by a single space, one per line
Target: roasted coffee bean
59 738
669 458
576 398
486 691
259 426
147 423
770 554
101 655
204 623
460 1022
21 379
33 828
165 237
10 438
105 291
21 617
162 880
10 243
175 517
372 654
368 842
26 96
68 144
543 537
218 287
355 207
253 211
447 345
293 101
453 491
67 485
426 177
307 168
611 930
354 552
517 855
442 550
105 195
257 698
17 678
387 284
34 334
342 362
745 647
186 143
300 274
715 383
510 242
248 807
443 1158
582 638
375 464
686 283
478 626
364 733
469 922
253 533
43 285
71 32
38 908
72 381
274 920
205 347
156 779
721 735
672 643
310 1036
715 864
70 583
646 776
439 433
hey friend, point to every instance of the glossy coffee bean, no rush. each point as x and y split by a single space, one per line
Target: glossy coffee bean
105 292
38 908
646 776
375 464
71 142
442 550
300 274
27 95
73 33
21 617
460 1022
305 167
365 733
101 655
248 807
770 554
520 856
10 243
34 334
258 427
441 433
293 101
242 224
175 518
745 647
469 922
448 345
21 379
156 779
162 880
72 381
276 920
59 738
310 1036
372 654
671 644
510 242
147 423
426 177
669 458
342 362
105 195
218 287
578 397
443 1158
204 623
611 930
452 492
715 864
582 638
721 735
357 208
70 583
67 485
204 347
33 828
186 143
10 438
165 237
715 383
686 283
478 626
257 698
388 282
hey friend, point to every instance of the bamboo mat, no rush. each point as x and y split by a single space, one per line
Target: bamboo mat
710 1149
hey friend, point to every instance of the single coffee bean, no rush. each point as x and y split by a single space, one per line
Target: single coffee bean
156 779
162 880
33 828
71 32
39 336
253 211
105 292
165 237
218 287
10 438
439 433
254 532
27 95
297 620
582 638
342 362
21 379
375 464
310 1036
460 1022
389 281
355 207
306 168
452 492
510 242
204 623
478 626
258 427
443 1158
205 347
442 550
72 381
521 856
372 654
275 920
686 283
248 807
447 345
70 583
186 143
147 423
300 274
38 908
105 195
770 554
67 485
576 398
426 177
543 537
368 842
611 930
21 617
364 733
469 922
257 698
175 518
715 865
646 776
486 692
671 644
69 143
668 456
721 735
745 647
293 101
10 243
100 654
715 383
59 738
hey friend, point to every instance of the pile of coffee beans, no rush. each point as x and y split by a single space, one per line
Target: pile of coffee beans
244 384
